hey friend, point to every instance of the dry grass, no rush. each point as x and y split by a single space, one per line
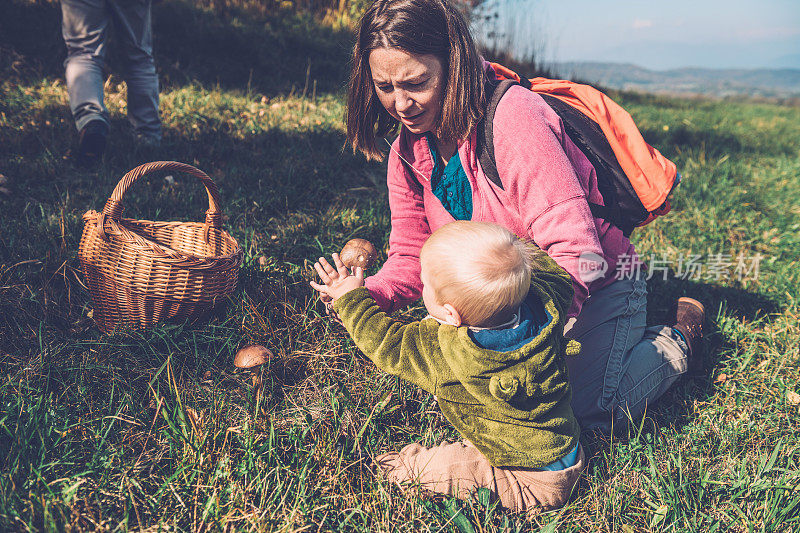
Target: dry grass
156 430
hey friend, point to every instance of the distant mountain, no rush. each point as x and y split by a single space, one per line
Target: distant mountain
771 83
788 61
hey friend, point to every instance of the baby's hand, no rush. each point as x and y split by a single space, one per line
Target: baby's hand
337 281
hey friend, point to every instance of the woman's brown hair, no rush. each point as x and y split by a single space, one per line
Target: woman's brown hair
420 27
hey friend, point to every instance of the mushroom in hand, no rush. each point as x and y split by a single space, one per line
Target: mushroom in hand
358 253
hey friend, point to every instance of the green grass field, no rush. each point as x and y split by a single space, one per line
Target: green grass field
156 431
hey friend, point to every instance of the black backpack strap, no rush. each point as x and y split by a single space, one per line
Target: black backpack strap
600 211
622 205
485 148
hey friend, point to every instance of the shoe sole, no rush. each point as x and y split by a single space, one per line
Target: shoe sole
692 301
92 147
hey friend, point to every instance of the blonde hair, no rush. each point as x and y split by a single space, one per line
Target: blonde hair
481 269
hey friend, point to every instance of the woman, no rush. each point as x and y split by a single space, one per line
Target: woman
416 66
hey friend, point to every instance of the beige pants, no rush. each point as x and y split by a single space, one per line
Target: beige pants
459 469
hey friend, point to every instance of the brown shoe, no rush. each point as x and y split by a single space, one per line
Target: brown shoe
689 317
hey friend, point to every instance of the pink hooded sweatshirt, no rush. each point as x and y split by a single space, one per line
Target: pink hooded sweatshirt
547 182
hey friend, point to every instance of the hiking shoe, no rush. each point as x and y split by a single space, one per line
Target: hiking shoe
91 143
689 317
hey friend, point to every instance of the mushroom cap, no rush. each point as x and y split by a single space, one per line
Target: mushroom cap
358 253
251 356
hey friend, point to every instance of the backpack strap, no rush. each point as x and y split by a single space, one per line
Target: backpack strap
485 136
495 89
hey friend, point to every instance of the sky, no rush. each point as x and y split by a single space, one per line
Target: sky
657 34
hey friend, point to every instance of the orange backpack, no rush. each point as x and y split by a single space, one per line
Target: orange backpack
632 176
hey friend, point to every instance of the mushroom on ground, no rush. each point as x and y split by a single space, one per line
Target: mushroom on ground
250 358
358 253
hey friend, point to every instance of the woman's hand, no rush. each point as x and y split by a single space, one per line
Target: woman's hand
337 281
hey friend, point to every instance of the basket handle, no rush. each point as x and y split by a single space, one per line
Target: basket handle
113 208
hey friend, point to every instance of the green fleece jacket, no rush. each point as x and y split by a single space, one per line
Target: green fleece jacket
513 406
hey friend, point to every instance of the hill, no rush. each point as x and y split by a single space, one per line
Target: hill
768 83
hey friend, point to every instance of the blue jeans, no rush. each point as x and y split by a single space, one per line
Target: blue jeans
85 25
624 366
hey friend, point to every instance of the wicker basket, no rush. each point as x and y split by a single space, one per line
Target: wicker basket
141 273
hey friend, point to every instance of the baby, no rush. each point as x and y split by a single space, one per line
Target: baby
491 351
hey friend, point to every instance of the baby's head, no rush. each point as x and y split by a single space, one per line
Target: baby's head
474 273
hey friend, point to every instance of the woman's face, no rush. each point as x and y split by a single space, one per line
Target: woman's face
409 86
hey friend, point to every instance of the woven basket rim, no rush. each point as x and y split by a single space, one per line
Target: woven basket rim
118 229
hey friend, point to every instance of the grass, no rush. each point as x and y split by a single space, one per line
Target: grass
156 431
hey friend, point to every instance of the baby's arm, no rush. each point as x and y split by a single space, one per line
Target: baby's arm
409 351
402 350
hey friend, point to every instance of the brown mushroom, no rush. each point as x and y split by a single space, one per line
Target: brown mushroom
250 358
358 253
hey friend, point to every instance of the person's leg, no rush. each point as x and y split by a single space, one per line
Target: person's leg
527 489
653 365
459 469
133 25
623 365
456 468
84 25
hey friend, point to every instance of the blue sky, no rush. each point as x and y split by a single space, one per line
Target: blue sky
658 34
